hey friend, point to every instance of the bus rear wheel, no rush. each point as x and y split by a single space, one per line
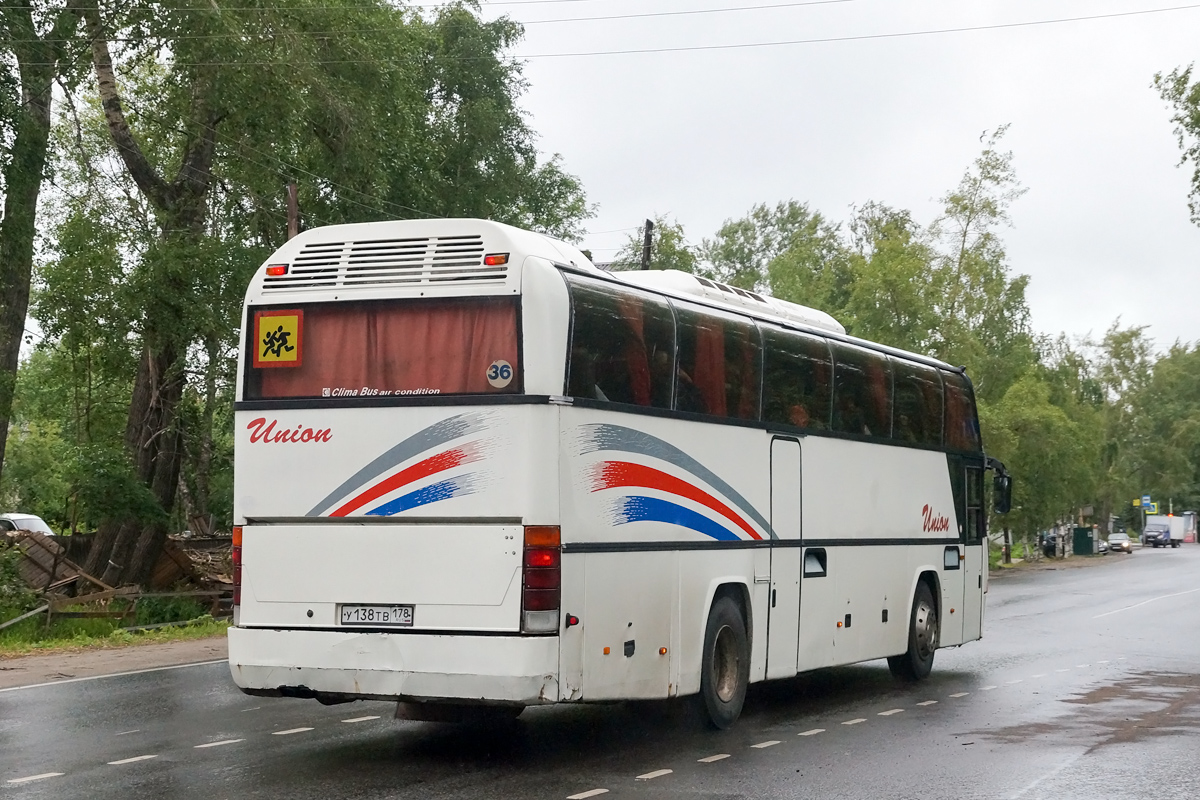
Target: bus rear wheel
725 670
923 626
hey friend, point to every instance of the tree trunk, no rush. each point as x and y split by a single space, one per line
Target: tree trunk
37 60
127 549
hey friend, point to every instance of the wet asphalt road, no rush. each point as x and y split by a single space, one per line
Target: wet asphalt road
1087 685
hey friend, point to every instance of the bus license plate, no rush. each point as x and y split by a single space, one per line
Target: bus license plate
399 616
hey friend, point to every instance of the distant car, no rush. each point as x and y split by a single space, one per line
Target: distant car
24 522
1120 543
1156 536
1102 547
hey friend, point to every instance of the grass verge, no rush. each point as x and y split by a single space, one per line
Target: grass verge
33 636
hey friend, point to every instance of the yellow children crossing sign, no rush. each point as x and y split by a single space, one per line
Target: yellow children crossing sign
279 338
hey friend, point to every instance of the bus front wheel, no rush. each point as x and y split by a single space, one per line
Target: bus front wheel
725 671
923 626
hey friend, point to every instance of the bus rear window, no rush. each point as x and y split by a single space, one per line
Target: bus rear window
383 349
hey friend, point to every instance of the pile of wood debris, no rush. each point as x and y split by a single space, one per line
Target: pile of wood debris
49 565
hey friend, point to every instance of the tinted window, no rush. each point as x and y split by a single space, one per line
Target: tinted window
917 416
797 374
862 391
719 362
381 348
622 345
962 424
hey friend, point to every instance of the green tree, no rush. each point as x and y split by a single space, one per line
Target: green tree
1051 457
982 312
669 248
742 250
376 111
1183 97
890 267
39 38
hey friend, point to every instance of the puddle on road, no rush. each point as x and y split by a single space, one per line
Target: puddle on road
1132 709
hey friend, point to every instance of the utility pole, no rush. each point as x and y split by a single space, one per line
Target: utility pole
293 210
646 241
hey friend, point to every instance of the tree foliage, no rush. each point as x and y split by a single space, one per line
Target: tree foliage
180 129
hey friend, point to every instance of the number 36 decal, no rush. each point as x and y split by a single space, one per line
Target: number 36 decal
500 373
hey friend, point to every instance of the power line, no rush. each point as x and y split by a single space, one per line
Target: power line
713 47
602 18
863 37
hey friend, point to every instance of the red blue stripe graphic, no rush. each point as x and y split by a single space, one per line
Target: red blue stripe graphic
423 469
380 484
436 435
442 490
613 474
637 508
602 437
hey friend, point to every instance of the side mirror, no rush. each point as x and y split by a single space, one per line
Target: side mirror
1002 492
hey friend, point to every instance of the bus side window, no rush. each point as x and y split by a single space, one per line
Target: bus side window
962 423
862 391
797 377
622 345
720 358
918 412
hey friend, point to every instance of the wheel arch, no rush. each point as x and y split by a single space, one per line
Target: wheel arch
736 589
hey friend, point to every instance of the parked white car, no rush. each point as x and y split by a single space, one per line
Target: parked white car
24 522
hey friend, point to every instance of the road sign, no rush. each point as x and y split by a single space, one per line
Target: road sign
1151 508
1145 499
1137 502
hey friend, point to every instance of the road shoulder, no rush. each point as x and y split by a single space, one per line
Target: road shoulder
34 669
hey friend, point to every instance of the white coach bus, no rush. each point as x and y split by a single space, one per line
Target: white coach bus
474 471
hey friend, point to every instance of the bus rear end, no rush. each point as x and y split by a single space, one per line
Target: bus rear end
396 519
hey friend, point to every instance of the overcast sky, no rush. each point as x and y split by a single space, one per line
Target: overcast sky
703 136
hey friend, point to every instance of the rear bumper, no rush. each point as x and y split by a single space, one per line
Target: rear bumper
384 666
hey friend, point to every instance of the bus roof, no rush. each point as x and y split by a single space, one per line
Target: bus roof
443 257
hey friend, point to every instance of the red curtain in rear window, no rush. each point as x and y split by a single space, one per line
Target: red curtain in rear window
409 347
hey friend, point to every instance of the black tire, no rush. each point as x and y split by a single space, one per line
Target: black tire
1174 544
725 668
923 630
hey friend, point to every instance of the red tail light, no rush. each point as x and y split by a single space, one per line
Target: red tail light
541 579
237 565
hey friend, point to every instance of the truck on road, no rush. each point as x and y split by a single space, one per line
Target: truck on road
1165 530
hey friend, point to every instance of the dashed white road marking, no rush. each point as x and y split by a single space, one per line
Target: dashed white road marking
361 719
1039 675
853 721
889 712
131 760
126 733
761 745
1010 683
256 708
294 730
813 732
1144 602
1120 658
658 773
588 793
1082 666
934 702
711 759
218 743
1103 661
960 694
1062 670
987 688
33 778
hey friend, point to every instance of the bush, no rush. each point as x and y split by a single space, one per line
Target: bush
154 610
14 594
